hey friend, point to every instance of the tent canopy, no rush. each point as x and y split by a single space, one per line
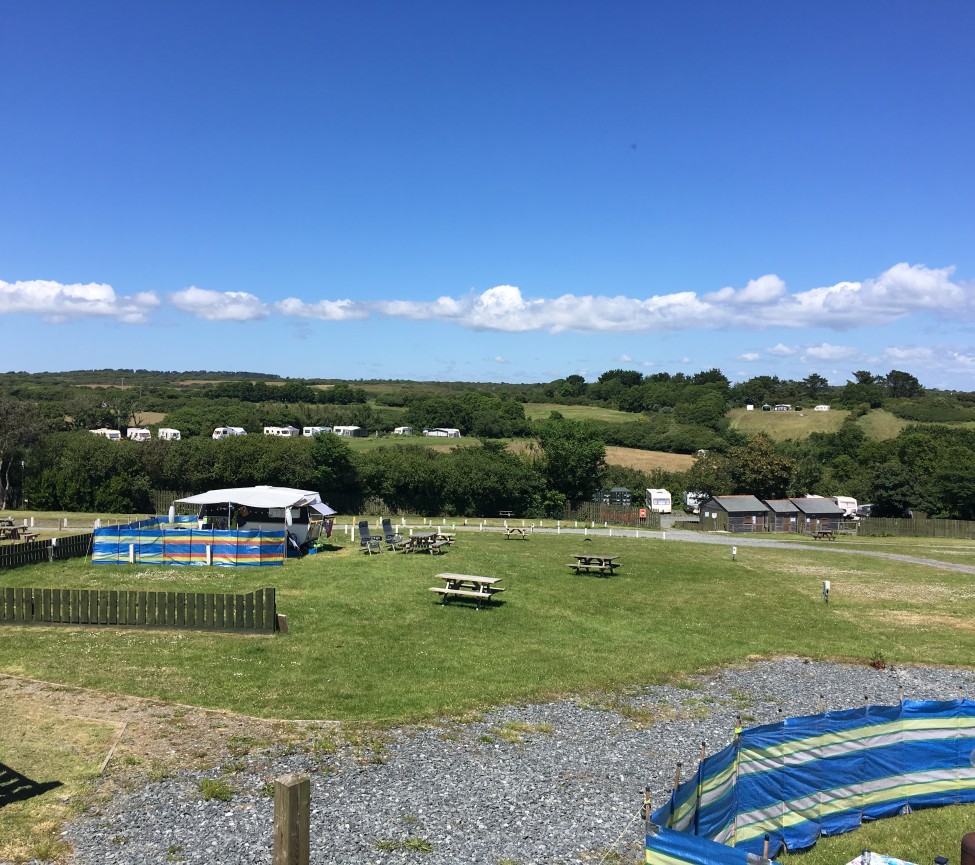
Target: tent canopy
256 497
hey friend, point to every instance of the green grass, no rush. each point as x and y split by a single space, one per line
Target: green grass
368 641
541 411
780 425
881 424
917 837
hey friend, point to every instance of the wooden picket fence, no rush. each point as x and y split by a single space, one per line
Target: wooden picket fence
207 611
48 550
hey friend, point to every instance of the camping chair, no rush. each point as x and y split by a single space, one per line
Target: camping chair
369 543
392 538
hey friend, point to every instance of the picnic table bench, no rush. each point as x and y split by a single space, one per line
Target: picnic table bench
824 535
426 542
515 532
467 587
10 532
506 513
594 563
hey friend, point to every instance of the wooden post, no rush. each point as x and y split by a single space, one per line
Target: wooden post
292 798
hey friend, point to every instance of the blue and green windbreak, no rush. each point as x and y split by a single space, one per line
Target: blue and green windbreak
825 774
155 542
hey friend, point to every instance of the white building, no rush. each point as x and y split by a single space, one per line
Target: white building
224 432
138 434
309 431
112 434
443 432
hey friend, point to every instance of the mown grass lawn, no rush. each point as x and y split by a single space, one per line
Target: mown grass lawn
369 641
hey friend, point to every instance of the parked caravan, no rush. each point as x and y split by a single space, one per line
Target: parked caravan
354 431
309 431
224 432
168 434
111 434
138 434
443 432
659 501
283 431
848 504
692 502
403 431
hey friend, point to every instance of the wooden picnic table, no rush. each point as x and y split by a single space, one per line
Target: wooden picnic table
467 586
10 532
824 535
425 542
594 562
515 532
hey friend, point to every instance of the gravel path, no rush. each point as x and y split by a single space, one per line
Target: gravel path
559 782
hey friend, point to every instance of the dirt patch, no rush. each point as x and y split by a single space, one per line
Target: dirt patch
884 591
927 621
155 738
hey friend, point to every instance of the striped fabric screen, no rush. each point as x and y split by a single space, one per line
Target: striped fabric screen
825 774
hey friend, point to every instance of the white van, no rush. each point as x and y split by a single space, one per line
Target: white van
223 432
659 501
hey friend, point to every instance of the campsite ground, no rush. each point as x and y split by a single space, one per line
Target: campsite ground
171 689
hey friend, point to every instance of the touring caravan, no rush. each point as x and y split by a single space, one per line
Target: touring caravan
138 434
848 504
111 434
168 434
223 432
310 431
284 431
693 501
659 501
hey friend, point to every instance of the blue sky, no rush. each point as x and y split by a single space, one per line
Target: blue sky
493 191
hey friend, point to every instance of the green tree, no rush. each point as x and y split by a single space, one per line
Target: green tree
20 427
758 469
572 457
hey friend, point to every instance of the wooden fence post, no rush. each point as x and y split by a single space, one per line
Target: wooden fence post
292 799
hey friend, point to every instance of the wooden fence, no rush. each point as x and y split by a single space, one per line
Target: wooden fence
49 550
206 611
919 528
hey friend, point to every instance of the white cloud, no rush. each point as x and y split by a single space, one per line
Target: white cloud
61 302
499 359
825 351
220 305
749 356
780 350
623 358
324 310
903 354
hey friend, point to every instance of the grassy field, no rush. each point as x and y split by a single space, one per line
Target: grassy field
880 424
780 425
541 410
647 461
369 642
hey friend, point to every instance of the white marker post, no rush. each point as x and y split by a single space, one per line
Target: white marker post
734 554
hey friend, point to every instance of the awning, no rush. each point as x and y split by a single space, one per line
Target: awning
321 508
256 497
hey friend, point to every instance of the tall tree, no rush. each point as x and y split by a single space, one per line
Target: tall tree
20 427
